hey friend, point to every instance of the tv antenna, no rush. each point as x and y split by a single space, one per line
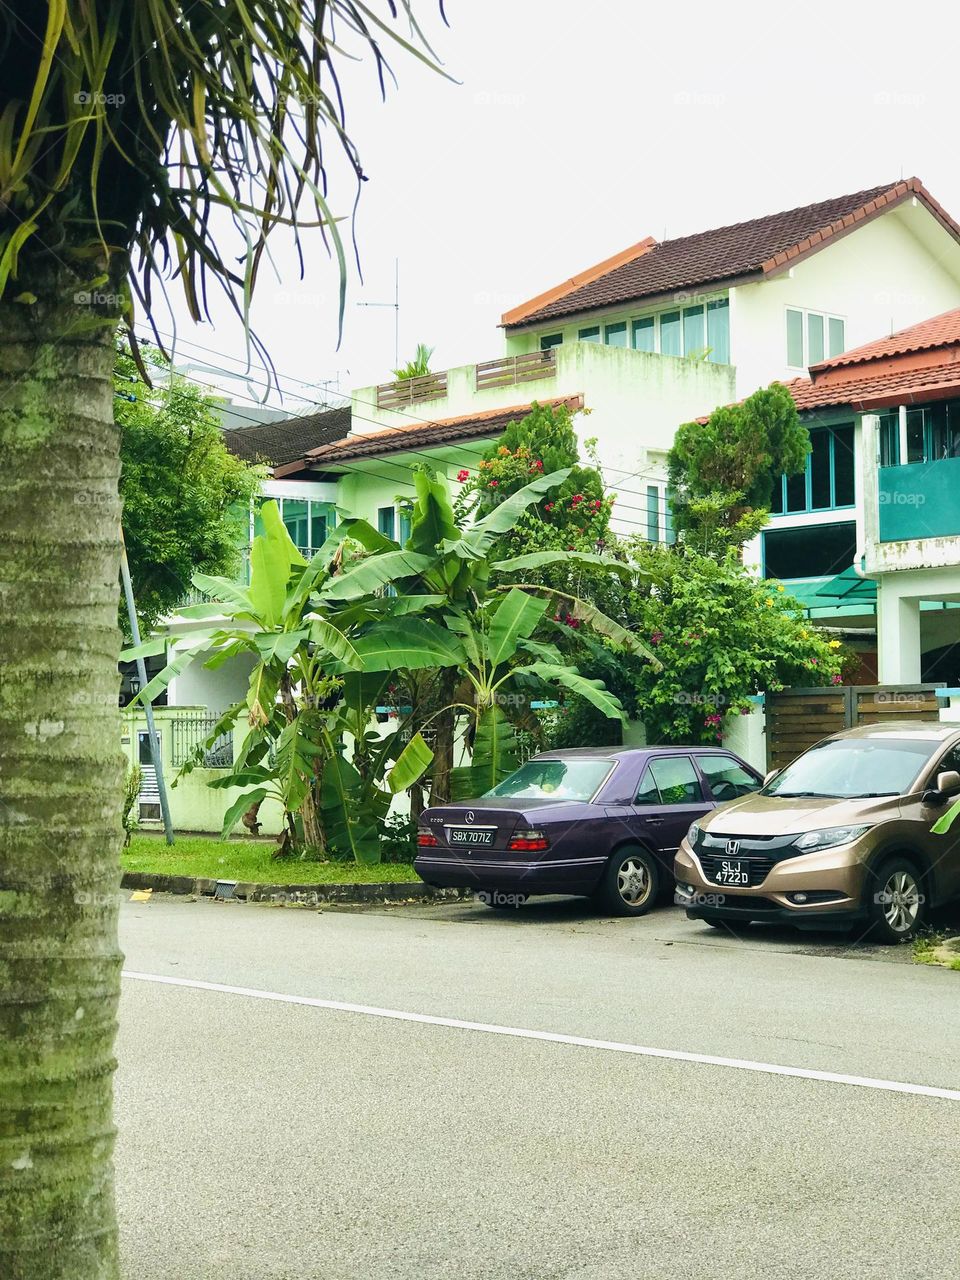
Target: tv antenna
395 304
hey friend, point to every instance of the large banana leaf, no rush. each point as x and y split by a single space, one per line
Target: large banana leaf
432 522
351 819
225 590
279 646
240 807
515 618
588 613
478 540
543 559
333 640
409 642
411 765
272 556
262 694
297 747
376 572
593 690
494 749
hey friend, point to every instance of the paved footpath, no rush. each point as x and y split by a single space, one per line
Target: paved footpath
565 1097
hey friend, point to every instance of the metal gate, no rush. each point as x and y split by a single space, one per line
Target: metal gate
797 718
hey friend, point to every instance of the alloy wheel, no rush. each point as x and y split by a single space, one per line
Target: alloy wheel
633 881
900 899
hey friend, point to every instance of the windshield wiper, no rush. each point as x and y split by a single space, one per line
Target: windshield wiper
873 795
797 795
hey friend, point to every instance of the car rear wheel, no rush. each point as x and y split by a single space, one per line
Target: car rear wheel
896 905
630 883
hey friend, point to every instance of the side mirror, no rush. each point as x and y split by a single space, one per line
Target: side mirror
948 784
767 776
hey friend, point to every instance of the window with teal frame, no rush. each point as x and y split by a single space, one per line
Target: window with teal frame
615 335
387 521
405 526
718 331
590 334
644 334
827 483
551 340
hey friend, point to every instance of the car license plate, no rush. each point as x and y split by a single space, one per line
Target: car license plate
732 872
472 836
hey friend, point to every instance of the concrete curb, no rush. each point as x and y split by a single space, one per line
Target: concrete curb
304 894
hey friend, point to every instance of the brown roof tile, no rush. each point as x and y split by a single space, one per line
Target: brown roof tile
422 435
759 247
938 331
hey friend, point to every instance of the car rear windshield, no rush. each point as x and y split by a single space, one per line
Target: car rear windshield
554 780
852 767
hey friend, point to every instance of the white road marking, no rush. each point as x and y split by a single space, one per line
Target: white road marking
556 1037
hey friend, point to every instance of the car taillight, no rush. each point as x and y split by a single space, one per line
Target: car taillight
528 841
426 840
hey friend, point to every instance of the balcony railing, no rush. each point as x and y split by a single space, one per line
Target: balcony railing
432 386
920 500
512 370
191 731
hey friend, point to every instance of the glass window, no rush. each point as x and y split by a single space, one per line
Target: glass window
615 335
843 480
318 528
295 515
835 336
644 334
694 339
551 340
718 331
386 521
670 340
814 338
795 339
776 502
647 792
590 334
405 528
916 435
889 439
726 778
854 767
676 780
540 778
653 513
821 489
797 492
818 551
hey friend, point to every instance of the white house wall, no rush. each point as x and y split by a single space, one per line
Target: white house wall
895 271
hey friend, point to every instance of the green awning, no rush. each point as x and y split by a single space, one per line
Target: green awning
848 586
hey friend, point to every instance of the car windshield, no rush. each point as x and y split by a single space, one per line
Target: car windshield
853 767
554 780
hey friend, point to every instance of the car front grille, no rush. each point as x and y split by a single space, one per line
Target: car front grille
746 902
758 868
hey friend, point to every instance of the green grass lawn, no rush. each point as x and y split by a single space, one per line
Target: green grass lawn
245 859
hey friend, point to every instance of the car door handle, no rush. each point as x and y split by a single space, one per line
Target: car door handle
653 822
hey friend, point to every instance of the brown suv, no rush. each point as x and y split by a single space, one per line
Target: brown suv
840 836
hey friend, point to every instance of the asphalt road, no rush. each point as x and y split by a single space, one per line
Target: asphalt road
267 1140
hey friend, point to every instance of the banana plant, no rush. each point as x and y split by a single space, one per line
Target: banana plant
304 652
443 574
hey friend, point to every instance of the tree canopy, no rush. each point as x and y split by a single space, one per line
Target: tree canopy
186 499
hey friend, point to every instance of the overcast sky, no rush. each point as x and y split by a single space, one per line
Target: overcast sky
576 129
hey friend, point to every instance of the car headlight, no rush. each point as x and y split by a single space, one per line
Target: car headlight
828 837
693 835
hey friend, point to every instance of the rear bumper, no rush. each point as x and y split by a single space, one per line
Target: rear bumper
449 870
832 872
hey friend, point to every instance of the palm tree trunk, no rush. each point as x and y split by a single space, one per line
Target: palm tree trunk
60 783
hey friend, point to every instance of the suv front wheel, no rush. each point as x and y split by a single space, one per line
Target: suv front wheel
896 904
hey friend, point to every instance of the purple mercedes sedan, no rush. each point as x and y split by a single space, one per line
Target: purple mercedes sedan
600 822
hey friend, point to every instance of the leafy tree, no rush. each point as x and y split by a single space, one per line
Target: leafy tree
418 367
722 472
140 141
722 635
185 497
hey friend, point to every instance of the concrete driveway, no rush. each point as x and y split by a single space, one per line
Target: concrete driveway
545 1094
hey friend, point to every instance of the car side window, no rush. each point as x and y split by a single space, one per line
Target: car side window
725 777
950 761
647 792
676 780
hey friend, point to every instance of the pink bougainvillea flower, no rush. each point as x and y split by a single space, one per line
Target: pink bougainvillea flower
463 474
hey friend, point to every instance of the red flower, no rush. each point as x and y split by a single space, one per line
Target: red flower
463 474
493 484
548 506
